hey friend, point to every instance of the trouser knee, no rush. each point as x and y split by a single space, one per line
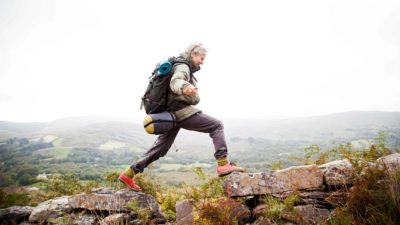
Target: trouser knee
218 125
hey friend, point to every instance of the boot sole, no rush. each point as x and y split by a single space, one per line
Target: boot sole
229 172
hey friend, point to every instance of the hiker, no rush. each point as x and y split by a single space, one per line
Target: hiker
182 96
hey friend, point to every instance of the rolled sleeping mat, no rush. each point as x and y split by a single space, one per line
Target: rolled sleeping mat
159 123
164 68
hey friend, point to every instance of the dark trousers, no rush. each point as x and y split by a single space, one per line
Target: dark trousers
198 122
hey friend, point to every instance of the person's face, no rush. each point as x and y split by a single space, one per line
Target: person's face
198 59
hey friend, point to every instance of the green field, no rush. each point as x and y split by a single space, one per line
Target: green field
58 142
177 166
111 145
55 152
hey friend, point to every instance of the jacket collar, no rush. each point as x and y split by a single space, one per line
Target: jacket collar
193 68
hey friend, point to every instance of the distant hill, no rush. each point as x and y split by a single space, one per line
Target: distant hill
20 128
339 125
93 131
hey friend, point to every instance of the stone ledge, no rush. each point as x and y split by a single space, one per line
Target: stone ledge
290 179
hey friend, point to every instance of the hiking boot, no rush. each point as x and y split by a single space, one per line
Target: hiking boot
130 182
228 168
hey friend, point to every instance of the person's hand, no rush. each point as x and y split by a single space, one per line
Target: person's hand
190 90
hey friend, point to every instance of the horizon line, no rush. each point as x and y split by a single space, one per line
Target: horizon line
125 118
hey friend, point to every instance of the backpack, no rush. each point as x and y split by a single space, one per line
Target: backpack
155 98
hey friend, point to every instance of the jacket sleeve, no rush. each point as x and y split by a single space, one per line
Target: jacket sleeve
180 78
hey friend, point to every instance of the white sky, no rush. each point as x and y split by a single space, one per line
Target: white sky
266 58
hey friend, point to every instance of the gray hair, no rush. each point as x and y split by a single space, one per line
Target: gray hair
197 48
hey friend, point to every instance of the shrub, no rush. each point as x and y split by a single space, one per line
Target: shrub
276 208
168 202
58 185
149 184
111 180
211 187
142 213
374 197
214 211
12 199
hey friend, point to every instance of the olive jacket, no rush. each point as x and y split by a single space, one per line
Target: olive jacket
182 76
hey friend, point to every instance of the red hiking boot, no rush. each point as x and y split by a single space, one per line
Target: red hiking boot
228 168
130 182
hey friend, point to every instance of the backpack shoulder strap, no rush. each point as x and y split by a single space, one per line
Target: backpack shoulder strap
174 60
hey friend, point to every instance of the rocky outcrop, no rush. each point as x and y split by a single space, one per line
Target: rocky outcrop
317 189
287 180
111 205
311 185
14 214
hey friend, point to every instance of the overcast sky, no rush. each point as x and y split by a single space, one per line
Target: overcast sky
266 58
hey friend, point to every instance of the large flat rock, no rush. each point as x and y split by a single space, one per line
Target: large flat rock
290 179
115 202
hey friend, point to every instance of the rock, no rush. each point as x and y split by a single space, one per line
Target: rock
259 210
338 198
102 190
263 221
236 210
337 173
86 219
75 218
115 202
290 179
317 194
184 212
50 209
15 214
119 218
309 214
282 195
390 162
315 197
26 223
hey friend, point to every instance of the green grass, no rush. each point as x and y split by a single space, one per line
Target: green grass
170 166
111 145
55 152
177 166
58 142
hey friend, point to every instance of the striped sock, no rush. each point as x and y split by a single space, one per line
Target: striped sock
129 172
222 161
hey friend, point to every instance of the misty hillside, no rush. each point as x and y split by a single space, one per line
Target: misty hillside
94 131
90 146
